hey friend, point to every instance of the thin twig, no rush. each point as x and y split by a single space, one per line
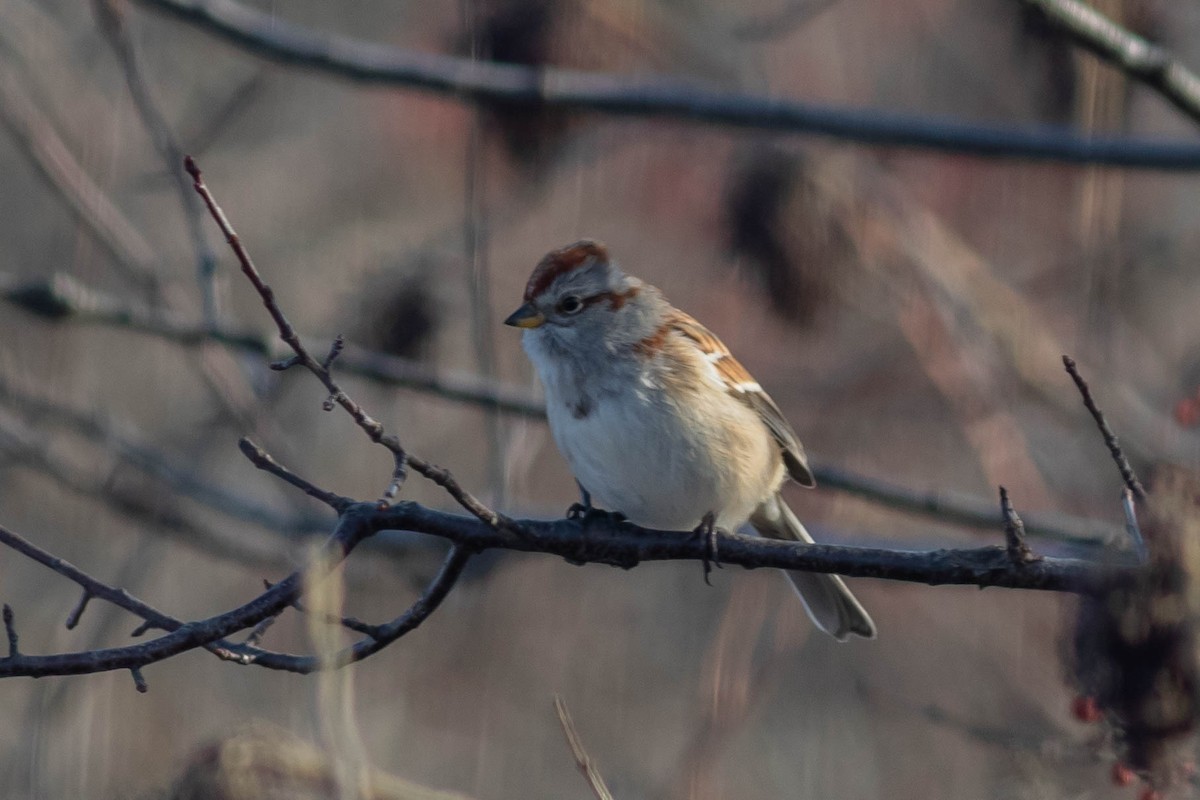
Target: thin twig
77 612
1110 438
139 681
369 425
10 630
263 460
270 37
1135 56
1014 533
349 623
260 630
582 760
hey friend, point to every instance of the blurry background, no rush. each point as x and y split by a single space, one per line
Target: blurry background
907 310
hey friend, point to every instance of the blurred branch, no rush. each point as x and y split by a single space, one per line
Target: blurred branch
112 24
140 505
35 135
61 298
959 509
38 406
1133 55
586 766
481 81
793 14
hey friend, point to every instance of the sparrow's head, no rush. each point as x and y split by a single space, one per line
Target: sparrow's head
576 291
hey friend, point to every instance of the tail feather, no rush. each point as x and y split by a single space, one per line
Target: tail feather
826 599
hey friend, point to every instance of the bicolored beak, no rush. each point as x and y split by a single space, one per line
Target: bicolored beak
526 317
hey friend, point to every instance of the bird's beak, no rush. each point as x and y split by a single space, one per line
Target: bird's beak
526 317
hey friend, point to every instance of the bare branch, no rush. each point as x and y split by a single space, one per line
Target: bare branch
1110 438
208 633
1138 58
652 96
377 636
603 540
582 759
263 460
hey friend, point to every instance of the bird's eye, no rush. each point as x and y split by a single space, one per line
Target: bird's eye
570 304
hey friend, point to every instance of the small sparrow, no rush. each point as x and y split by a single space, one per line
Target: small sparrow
657 419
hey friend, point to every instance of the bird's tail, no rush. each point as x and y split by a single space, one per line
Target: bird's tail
826 599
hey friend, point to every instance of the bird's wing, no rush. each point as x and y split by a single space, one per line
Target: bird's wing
741 384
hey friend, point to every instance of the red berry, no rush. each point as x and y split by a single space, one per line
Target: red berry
1150 793
1187 412
1086 709
1122 775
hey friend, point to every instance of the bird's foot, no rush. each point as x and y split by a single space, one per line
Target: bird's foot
582 513
707 529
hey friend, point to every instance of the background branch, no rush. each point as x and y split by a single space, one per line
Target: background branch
112 25
543 87
1133 55
131 254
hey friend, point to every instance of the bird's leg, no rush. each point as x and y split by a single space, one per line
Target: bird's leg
581 509
708 529
585 510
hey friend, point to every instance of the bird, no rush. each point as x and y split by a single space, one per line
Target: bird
659 422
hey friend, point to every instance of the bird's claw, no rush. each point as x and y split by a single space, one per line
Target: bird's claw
708 530
583 513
